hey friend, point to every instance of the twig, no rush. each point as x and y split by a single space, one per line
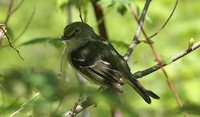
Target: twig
140 74
138 31
26 26
80 106
23 31
9 13
18 6
165 23
10 44
79 8
23 105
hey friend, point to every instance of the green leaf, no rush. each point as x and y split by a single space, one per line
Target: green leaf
122 9
53 41
46 82
35 41
15 84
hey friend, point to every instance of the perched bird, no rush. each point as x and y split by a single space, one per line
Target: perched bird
98 61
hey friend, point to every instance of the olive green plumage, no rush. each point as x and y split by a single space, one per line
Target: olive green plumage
98 61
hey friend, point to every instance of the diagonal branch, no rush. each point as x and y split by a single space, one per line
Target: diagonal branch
24 104
9 13
165 23
140 74
10 44
79 107
138 31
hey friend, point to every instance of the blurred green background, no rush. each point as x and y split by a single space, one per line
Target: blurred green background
40 70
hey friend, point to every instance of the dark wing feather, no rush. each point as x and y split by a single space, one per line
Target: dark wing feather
90 64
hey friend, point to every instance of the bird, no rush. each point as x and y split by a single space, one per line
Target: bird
96 59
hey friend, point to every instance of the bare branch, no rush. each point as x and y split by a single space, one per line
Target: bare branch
79 8
10 44
18 6
9 13
23 31
80 106
23 105
26 27
140 74
163 26
138 31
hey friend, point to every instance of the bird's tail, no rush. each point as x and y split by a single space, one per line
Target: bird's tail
144 93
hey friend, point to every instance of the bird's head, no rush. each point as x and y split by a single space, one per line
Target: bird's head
77 34
77 31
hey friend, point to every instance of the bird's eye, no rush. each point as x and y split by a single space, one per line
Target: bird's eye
77 30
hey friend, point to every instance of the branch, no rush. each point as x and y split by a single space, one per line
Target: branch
18 6
10 44
138 31
79 9
23 105
163 26
78 107
140 74
23 31
9 13
99 15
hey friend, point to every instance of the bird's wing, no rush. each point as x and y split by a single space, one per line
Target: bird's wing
91 60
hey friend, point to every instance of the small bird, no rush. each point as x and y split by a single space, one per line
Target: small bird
97 60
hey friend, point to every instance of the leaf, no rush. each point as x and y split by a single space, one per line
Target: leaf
35 41
15 84
122 9
46 82
56 42
53 41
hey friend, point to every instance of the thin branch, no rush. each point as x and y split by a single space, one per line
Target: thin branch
166 22
10 44
140 74
18 6
78 107
23 105
79 9
23 31
26 26
138 31
9 13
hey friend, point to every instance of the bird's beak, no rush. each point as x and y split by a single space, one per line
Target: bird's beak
62 38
